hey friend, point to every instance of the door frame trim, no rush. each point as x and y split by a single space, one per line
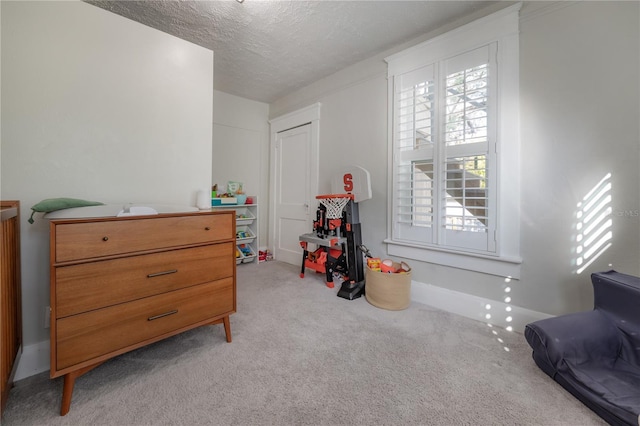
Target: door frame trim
306 115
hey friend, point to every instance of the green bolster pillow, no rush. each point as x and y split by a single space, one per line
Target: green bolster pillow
53 204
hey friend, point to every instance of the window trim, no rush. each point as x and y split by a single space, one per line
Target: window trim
501 27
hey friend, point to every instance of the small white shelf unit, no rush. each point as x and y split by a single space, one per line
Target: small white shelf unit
246 230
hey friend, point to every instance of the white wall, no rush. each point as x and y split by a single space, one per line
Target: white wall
579 120
579 113
241 149
98 107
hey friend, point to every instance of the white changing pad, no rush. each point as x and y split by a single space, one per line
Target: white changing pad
112 210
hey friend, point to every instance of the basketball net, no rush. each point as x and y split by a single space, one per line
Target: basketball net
334 203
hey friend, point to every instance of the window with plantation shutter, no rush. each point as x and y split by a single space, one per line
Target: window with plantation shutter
451 142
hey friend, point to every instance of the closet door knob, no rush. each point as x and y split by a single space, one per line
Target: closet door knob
105 238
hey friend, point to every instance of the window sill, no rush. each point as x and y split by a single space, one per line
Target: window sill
503 266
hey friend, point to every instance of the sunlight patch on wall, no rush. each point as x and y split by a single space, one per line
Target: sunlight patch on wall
593 224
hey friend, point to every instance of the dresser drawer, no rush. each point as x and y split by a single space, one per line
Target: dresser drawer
86 240
86 336
88 286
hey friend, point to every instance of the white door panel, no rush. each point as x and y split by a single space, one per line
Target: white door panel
289 249
293 156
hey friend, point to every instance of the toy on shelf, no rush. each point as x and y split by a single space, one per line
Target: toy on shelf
247 254
235 195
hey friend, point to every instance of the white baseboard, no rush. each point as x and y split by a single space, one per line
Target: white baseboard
35 357
501 314
34 360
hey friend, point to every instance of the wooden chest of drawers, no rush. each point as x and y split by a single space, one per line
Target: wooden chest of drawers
118 284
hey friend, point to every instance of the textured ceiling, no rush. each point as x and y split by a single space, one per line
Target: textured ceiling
267 49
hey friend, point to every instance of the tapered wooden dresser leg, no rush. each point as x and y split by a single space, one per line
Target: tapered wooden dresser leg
69 382
67 392
227 328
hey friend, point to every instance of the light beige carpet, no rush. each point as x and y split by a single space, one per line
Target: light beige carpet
300 355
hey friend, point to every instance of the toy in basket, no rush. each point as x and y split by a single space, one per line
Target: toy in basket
389 287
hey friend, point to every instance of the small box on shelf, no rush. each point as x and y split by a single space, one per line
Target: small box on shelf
224 201
265 255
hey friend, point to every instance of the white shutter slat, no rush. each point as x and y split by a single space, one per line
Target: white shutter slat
465 150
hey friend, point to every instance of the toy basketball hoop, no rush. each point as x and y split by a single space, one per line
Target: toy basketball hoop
353 180
334 203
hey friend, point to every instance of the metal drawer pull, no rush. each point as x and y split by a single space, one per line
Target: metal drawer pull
157 274
166 314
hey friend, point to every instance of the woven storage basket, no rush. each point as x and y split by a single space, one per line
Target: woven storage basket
388 291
